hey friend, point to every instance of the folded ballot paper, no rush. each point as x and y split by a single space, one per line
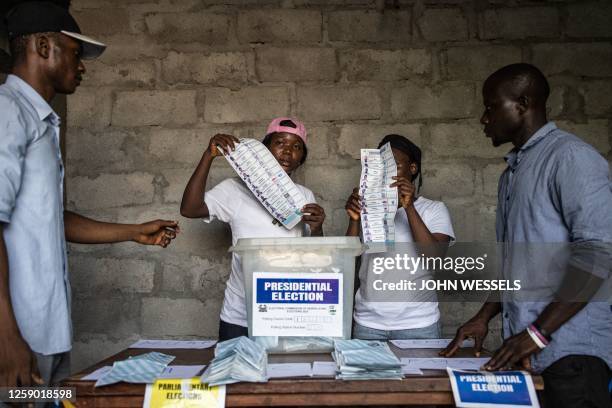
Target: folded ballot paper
142 369
236 360
366 360
268 181
378 199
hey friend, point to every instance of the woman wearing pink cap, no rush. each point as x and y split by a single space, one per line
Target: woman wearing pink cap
231 201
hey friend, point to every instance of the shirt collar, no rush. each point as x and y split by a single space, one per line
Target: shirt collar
42 108
538 136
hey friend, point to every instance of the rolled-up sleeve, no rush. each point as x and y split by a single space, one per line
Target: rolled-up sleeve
585 193
13 145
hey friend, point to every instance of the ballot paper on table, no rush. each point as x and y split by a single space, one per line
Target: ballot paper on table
97 374
181 371
141 369
365 360
378 199
462 363
428 343
411 371
288 370
267 180
174 344
238 359
324 369
177 371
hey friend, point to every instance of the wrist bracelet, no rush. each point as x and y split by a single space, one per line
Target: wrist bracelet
538 335
535 338
536 327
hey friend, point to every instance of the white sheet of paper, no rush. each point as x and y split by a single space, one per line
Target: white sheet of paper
96 375
174 344
411 371
324 369
182 371
428 343
287 370
464 363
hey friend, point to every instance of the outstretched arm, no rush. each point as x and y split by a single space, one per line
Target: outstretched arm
84 230
193 204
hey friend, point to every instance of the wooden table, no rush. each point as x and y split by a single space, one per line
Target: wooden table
432 388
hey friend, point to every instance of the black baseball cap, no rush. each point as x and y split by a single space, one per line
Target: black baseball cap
403 144
32 17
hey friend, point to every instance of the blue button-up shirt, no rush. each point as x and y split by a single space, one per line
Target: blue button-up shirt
555 190
31 209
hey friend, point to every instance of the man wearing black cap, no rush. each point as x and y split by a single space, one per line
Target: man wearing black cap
47 47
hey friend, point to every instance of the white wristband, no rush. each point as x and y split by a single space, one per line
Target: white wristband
536 339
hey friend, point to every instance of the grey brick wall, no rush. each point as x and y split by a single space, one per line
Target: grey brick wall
179 71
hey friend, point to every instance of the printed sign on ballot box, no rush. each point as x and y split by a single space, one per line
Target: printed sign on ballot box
297 304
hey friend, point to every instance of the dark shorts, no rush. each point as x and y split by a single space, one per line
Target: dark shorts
228 331
577 381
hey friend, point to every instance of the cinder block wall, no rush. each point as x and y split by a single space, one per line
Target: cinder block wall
179 71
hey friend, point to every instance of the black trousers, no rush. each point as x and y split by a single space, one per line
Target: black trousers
228 331
577 381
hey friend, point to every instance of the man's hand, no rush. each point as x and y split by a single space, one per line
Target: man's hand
406 191
515 351
158 232
18 365
353 205
314 215
476 328
220 144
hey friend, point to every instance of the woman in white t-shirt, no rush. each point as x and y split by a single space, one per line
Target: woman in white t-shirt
231 201
390 314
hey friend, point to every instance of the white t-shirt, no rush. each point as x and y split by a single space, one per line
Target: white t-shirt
403 315
231 201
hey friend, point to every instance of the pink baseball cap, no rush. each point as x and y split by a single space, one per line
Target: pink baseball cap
299 130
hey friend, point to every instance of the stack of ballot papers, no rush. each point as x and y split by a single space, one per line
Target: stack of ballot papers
238 359
142 369
366 360
378 199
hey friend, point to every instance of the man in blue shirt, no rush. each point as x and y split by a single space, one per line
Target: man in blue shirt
555 223
36 332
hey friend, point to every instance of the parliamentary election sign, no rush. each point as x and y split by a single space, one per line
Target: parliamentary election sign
183 393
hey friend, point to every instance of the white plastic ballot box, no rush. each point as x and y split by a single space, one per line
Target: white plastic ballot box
299 291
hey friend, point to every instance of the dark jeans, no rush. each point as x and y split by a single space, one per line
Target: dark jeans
577 381
228 331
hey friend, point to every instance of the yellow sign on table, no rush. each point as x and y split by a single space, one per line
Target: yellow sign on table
185 393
